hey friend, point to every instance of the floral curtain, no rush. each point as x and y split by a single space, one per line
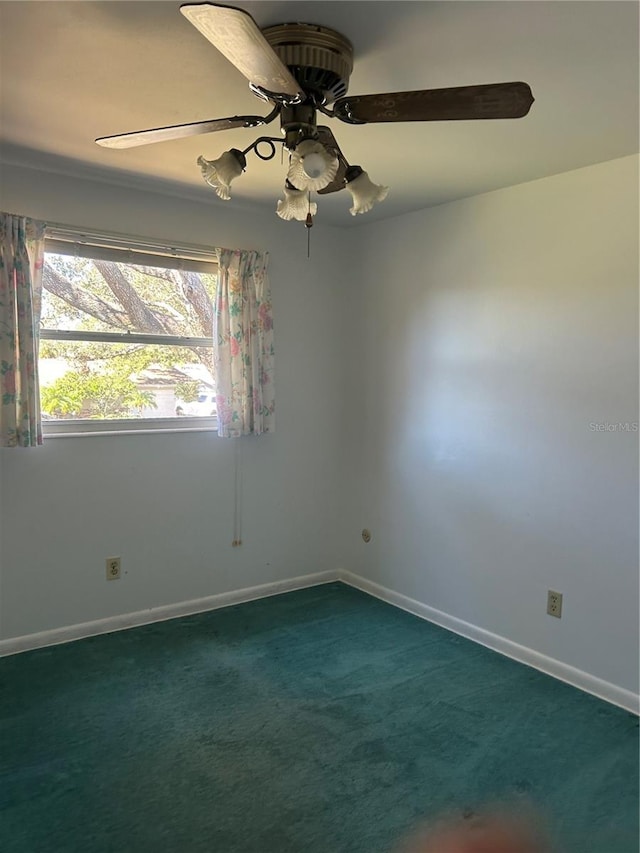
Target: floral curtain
243 345
21 260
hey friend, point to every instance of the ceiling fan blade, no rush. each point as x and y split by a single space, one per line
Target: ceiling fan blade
238 38
496 100
177 131
327 138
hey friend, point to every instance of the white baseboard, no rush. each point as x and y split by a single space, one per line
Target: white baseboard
550 666
562 671
159 614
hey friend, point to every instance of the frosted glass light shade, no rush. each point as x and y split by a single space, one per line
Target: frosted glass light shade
364 192
219 173
311 167
295 205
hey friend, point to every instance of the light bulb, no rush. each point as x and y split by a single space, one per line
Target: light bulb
364 192
219 173
312 167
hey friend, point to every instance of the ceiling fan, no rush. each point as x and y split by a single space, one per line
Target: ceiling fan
302 70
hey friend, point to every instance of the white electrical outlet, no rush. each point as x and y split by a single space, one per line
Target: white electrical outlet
113 568
554 603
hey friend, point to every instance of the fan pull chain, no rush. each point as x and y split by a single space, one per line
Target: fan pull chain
308 224
237 507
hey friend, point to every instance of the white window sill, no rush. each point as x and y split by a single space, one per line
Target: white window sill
140 426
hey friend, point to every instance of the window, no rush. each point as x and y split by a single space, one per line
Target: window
126 335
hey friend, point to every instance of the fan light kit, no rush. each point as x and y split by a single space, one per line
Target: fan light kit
302 70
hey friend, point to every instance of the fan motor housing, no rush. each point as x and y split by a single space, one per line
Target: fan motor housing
320 59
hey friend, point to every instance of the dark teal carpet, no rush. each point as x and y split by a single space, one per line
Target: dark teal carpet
321 721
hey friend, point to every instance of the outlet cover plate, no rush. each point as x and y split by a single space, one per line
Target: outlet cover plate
554 604
113 568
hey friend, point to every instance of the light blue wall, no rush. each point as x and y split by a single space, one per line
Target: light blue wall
496 330
164 503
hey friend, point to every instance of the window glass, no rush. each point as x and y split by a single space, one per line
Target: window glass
125 340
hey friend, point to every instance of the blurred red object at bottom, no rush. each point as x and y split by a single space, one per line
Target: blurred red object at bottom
490 834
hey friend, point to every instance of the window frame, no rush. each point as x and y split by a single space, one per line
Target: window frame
60 239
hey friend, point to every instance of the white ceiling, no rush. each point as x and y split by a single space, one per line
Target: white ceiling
72 71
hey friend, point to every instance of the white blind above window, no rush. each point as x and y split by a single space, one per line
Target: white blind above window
122 249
